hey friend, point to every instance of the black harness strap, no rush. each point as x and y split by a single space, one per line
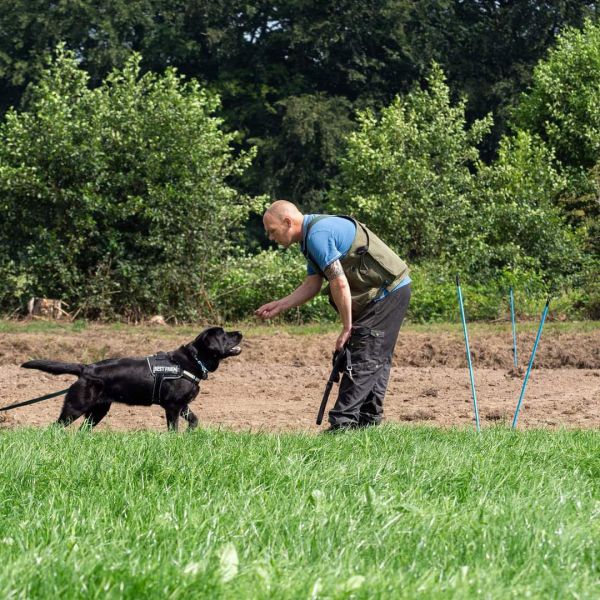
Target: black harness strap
163 368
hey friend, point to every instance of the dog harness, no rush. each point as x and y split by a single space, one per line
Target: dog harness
162 368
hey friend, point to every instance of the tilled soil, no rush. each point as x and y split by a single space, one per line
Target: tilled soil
277 382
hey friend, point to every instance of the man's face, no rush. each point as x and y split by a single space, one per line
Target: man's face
278 230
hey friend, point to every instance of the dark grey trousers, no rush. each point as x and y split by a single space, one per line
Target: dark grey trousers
374 335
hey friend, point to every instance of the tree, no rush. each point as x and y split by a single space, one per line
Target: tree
563 108
279 65
102 36
415 176
115 199
518 223
488 48
563 105
409 172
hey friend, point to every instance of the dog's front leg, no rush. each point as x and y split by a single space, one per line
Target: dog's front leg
190 417
172 418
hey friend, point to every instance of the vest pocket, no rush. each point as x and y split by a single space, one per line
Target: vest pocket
366 272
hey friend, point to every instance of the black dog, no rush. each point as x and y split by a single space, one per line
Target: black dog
171 379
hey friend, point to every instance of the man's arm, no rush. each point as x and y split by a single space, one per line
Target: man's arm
308 289
340 292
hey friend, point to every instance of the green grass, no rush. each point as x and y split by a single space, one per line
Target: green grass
395 512
255 328
41 326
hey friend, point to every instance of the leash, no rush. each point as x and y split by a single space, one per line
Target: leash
339 359
46 397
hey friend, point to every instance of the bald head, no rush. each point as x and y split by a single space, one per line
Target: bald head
283 222
283 208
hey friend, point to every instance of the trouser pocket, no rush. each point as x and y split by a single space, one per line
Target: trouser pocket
365 345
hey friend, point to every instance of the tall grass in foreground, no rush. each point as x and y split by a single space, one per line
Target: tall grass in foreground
395 512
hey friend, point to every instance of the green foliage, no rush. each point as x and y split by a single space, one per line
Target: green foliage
280 65
586 297
263 58
414 176
247 282
408 173
103 188
102 37
518 224
434 297
115 199
303 156
563 105
488 49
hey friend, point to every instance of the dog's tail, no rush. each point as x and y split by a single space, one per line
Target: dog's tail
55 367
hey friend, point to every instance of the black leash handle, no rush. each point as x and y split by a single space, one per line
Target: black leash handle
328 387
46 397
337 367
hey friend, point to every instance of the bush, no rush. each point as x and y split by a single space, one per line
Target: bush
563 108
116 199
247 282
434 297
587 300
414 176
517 223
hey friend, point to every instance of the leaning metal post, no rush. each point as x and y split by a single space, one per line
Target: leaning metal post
514 326
464 324
535 345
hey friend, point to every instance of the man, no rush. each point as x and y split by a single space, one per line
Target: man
368 285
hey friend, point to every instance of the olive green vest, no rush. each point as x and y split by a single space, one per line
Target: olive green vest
370 266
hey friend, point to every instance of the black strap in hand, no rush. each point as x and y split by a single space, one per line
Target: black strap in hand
340 358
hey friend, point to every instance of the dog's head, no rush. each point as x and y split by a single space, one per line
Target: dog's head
214 344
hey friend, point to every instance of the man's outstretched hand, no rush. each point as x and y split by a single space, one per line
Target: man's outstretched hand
269 310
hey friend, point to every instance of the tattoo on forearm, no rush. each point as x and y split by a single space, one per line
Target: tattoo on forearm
334 270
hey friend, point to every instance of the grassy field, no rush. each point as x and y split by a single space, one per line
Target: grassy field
395 512
255 328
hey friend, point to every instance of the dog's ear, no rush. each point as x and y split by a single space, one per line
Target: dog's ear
192 349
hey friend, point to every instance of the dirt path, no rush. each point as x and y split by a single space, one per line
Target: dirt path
278 381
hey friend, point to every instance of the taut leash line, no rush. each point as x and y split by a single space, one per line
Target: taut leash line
34 400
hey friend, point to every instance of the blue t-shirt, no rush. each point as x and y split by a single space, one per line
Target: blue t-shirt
330 240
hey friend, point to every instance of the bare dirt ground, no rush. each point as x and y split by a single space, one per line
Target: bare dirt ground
277 382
